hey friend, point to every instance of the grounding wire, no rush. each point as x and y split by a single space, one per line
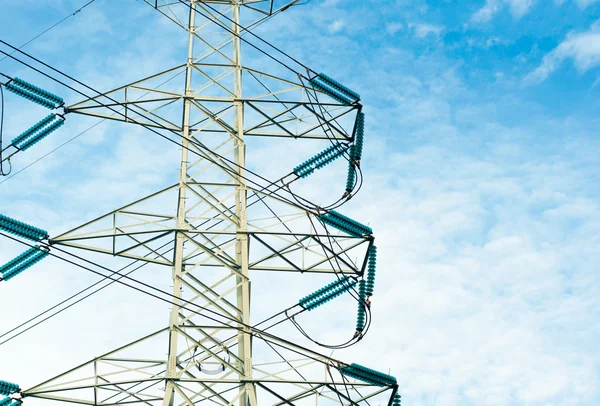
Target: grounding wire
251 330
119 103
197 144
104 119
253 75
357 337
89 287
50 28
251 33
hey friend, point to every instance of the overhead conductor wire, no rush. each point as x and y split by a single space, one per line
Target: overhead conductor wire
259 333
138 113
197 144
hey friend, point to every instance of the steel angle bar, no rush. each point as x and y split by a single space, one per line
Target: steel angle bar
116 359
341 395
277 78
213 287
156 90
219 113
291 244
306 393
125 119
134 214
216 80
111 233
111 252
94 99
272 120
230 216
143 199
125 103
262 97
337 255
214 354
276 253
223 261
147 337
220 248
331 122
219 200
137 115
214 117
124 391
196 36
210 303
143 244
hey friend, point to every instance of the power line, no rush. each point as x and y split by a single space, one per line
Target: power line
50 28
197 144
246 41
254 331
248 29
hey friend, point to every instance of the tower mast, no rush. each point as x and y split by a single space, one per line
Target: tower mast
220 222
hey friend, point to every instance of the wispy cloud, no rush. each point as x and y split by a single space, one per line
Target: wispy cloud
518 8
582 48
393 28
336 26
580 3
422 30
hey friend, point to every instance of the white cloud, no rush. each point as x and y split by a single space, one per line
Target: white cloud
580 3
393 28
423 30
518 8
476 243
582 48
336 26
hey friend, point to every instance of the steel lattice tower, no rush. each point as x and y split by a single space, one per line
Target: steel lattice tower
225 224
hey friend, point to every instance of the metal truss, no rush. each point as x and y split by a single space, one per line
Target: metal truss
212 229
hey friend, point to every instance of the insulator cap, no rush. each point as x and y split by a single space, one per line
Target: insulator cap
21 229
8 388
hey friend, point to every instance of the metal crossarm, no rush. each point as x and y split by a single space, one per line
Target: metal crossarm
221 225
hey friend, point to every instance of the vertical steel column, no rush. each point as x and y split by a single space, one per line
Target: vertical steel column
181 217
243 281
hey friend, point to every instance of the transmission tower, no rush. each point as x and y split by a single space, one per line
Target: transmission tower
223 223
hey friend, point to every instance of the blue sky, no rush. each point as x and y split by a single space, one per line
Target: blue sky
481 169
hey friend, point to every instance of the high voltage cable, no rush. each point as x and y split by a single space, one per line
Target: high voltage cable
257 332
73 14
199 145
141 115
208 155
247 42
260 199
247 30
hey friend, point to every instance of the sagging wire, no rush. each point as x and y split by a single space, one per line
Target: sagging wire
243 29
326 127
158 133
354 165
104 119
346 154
73 14
260 333
359 334
259 199
199 145
271 183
